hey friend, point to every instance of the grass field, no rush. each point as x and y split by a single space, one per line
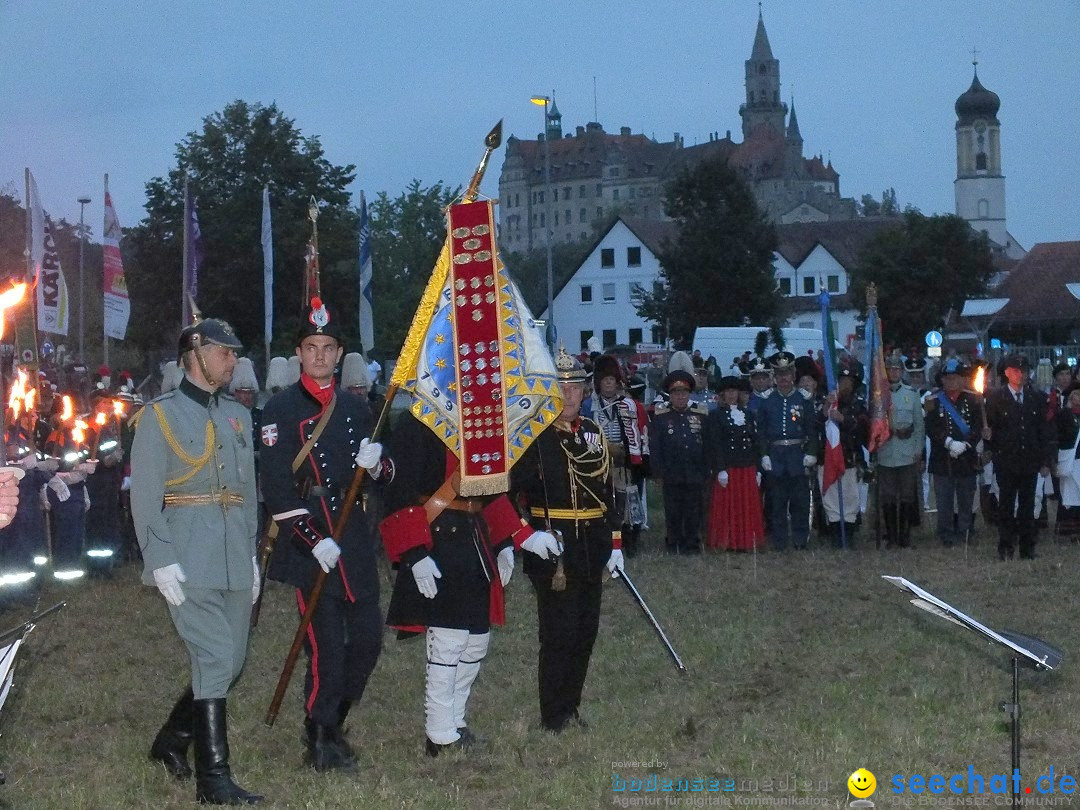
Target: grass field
801 666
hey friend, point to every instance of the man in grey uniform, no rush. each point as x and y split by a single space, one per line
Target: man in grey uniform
194 506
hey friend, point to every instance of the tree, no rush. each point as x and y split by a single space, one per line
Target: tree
887 207
407 233
719 268
921 270
227 163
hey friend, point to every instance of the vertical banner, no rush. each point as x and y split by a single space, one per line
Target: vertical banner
52 292
192 255
268 272
364 300
25 328
117 304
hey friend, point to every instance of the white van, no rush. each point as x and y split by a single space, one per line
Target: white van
726 342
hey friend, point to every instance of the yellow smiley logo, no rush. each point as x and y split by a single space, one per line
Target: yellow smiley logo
862 784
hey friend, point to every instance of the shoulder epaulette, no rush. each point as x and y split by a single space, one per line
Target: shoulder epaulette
700 408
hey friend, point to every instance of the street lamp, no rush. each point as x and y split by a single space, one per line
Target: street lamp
544 101
83 202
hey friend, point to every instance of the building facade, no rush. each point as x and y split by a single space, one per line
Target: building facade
595 173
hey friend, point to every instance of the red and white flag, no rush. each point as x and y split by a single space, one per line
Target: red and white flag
117 304
833 468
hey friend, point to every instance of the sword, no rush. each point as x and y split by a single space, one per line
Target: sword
652 620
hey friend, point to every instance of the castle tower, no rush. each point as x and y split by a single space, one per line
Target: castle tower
763 104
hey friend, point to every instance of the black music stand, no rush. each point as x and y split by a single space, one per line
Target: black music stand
1032 652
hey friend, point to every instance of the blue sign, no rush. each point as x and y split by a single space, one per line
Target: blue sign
46 348
933 339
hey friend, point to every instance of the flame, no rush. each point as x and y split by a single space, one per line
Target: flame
18 395
69 409
78 433
118 408
99 420
10 298
980 379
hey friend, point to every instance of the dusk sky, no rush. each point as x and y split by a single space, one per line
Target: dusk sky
408 89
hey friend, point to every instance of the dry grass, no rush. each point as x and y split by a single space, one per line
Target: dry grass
804 664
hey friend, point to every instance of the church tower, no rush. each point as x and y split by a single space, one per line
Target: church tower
980 185
763 104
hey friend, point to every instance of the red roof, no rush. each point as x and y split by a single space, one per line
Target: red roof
1036 286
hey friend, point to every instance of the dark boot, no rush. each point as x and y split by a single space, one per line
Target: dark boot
892 536
213 779
171 744
327 749
343 712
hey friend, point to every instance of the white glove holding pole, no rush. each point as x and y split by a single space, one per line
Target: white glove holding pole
722 478
543 545
369 456
255 588
766 464
615 562
425 572
809 460
60 488
505 561
168 581
125 485
326 551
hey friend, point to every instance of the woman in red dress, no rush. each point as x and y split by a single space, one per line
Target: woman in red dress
735 520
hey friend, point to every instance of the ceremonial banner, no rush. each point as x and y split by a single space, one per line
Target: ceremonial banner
268 272
879 395
52 292
25 335
834 466
367 316
192 255
117 304
474 360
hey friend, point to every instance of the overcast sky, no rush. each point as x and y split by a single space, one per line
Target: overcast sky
408 89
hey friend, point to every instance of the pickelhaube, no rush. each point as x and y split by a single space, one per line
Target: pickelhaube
782 361
208 331
568 369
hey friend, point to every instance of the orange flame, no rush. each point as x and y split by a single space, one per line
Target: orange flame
10 298
980 379
118 408
99 420
18 395
69 409
78 433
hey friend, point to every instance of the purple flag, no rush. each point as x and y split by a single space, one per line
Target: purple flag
192 254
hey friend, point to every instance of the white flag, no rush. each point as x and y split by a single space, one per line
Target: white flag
52 292
117 304
367 315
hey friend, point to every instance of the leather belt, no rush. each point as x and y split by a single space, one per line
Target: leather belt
787 442
470 505
193 499
567 514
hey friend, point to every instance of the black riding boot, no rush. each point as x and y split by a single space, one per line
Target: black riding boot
327 749
171 744
213 779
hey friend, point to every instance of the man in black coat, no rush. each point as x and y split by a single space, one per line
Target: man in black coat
305 490
1022 439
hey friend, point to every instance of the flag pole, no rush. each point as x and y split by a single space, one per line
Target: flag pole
184 269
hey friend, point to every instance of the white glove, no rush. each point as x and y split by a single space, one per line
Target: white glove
60 488
615 562
542 544
255 583
326 551
86 500
758 476
168 581
809 460
125 485
49 464
369 455
425 572
955 448
766 464
722 478
87 467
43 496
28 462
506 564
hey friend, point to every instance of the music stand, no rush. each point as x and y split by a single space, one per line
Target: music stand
1033 652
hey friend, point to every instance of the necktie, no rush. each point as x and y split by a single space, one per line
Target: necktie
1020 397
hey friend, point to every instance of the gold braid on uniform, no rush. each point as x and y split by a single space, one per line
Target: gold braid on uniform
578 475
196 462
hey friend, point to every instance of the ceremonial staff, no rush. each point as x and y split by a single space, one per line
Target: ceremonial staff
415 334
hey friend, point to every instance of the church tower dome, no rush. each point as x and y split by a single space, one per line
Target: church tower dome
977 102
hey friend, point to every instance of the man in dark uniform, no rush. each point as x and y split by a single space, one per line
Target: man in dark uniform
103 487
454 555
23 547
67 498
953 423
314 438
565 480
193 503
1022 440
677 448
788 442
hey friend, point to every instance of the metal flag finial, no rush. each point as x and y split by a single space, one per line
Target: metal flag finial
313 209
871 294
